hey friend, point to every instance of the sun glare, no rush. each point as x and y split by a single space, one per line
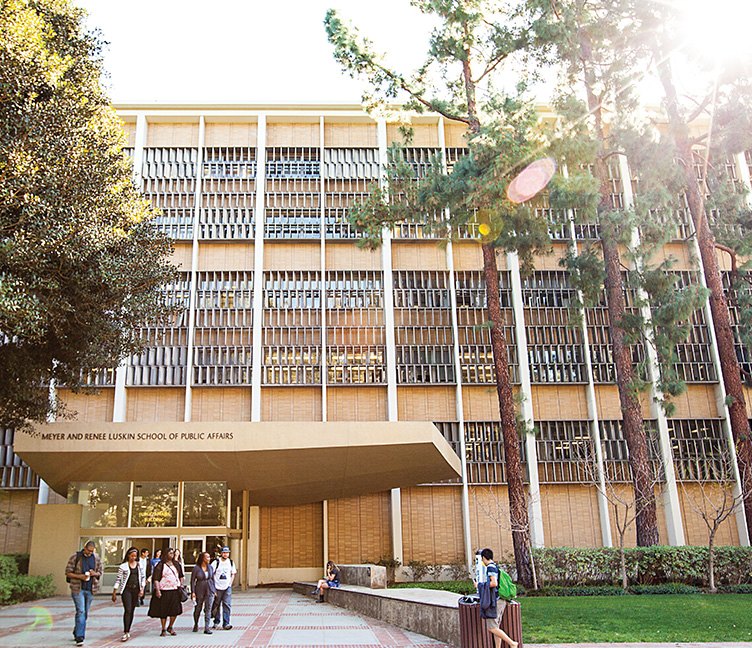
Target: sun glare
719 29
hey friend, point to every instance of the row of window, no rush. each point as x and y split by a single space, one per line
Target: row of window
566 452
352 302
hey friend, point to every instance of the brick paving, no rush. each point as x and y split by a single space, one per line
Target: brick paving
260 617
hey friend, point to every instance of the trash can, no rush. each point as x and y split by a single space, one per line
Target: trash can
473 632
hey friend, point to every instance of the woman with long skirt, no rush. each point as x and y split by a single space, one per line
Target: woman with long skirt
167 578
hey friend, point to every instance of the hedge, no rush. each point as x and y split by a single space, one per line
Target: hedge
569 567
17 588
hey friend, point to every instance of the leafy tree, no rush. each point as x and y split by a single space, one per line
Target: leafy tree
469 47
725 99
80 261
600 56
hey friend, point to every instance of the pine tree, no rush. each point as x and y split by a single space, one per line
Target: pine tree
727 98
466 51
600 57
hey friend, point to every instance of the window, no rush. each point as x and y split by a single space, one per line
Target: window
204 504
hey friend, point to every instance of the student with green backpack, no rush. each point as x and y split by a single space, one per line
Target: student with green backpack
498 585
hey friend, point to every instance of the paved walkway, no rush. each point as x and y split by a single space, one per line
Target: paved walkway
260 617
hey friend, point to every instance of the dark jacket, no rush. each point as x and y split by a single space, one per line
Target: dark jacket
200 586
488 598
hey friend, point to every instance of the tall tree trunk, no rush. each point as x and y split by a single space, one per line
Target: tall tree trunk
719 308
634 430
512 461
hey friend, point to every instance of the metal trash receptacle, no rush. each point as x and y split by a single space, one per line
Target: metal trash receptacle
473 632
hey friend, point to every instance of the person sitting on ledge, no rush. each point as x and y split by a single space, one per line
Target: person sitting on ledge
331 580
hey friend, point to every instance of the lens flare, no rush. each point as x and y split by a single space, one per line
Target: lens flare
42 619
531 180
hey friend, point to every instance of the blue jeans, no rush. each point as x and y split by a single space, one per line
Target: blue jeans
82 601
223 598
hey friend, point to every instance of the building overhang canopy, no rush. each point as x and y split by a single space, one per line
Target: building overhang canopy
279 463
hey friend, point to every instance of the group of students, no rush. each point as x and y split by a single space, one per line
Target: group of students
211 588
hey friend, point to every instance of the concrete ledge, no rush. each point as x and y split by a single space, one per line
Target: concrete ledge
373 576
432 613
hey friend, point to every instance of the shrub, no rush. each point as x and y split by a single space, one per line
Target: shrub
456 586
29 588
458 571
735 589
568 567
435 572
418 568
665 588
22 561
8 567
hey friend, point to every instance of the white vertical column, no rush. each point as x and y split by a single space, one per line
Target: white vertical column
120 404
535 514
324 365
194 272
669 493
391 347
592 405
322 200
742 172
258 274
44 489
459 403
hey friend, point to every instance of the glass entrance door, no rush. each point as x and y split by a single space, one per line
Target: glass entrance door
191 547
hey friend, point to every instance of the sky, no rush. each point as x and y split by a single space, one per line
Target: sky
251 51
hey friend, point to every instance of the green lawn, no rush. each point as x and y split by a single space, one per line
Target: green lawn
658 618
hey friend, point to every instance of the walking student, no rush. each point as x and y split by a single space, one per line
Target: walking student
130 583
489 598
146 566
202 590
166 578
224 574
83 572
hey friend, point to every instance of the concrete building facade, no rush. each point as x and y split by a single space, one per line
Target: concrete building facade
284 320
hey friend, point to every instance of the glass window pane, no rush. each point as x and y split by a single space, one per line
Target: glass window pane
204 504
155 504
105 503
114 549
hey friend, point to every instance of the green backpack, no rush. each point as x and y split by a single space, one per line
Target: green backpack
507 590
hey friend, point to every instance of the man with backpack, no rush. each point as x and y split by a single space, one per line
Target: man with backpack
491 593
224 574
83 572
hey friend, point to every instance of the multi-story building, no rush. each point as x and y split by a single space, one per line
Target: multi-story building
290 333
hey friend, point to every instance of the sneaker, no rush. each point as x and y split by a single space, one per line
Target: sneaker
227 627
195 628
125 637
216 626
79 641
207 631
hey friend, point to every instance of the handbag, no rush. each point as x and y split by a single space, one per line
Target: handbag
184 596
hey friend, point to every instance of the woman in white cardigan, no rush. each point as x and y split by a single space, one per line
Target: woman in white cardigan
129 583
